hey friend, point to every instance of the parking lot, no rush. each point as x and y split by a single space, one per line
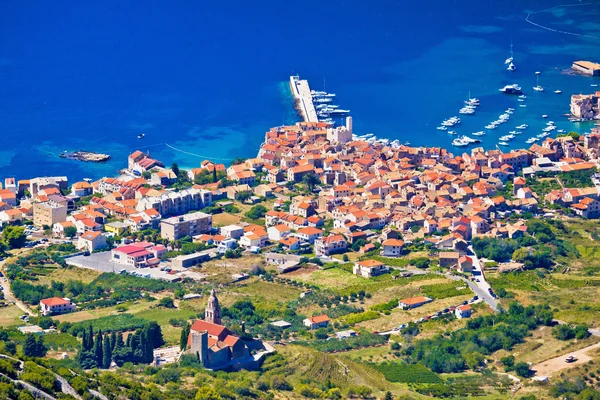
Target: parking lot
102 262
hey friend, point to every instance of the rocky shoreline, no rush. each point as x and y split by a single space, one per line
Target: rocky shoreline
86 156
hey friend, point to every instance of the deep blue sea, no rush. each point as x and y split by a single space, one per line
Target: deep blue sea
209 78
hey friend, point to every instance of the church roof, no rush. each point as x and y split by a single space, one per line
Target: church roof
218 331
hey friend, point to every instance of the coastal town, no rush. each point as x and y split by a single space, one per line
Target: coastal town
317 198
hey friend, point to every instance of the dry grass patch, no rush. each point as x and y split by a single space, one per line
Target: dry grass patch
9 315
541 346
399 316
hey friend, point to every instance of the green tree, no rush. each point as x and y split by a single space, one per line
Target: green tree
155 334
183 340
166 302
175 169
244 195
98 349
310 180
522 369
256 212
14 237
106 352
207 393
34 346
70 231
388 396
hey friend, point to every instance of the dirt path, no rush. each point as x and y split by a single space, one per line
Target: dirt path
553 365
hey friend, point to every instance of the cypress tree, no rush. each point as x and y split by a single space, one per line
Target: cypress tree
149 349
128 342
98 348
183 340
119 343
90 338
214 173
113 340
106 352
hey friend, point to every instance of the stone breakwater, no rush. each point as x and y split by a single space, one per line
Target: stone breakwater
86 156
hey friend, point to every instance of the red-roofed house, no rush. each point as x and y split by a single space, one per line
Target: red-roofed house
465 264
463 311
56 305
330 245
316 322
91 241
309 234
138 255
369 268
392 247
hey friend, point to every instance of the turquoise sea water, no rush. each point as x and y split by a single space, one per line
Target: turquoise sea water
209 78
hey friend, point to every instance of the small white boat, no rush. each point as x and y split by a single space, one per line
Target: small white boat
441 128
522 96
544 116
522 126
87 179
480 133
558 91
594 85
141 135
521 100
503 143
523 105
451 132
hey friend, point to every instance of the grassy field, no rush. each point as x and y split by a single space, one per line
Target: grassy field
267 291
132 307
162 316
67 274
9 316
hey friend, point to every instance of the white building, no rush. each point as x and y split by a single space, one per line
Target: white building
56 305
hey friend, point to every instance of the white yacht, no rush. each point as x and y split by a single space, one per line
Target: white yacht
532 140
459 142
522 126
480 133
467 110
441 128
544 116
512 89
558 91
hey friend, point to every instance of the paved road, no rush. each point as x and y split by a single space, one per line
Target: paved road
482 287
8 295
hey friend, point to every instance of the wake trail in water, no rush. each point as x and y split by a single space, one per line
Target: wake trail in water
197 155
556 30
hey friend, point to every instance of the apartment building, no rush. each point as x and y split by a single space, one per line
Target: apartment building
192 224
49 213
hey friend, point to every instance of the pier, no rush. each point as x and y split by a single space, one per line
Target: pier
303 97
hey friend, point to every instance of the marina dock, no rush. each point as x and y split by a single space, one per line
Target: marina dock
303 97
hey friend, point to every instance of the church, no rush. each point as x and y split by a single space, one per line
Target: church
217 347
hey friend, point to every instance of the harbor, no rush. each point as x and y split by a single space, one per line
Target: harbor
303 99
313 105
